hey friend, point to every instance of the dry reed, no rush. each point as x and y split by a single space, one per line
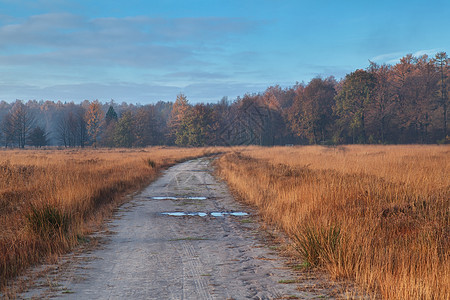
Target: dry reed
378 215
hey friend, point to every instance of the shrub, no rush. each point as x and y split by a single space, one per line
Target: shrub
48 221
151 163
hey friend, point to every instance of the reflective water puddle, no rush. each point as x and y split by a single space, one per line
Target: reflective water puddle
164 198
180 214
202 214
236 213
178 198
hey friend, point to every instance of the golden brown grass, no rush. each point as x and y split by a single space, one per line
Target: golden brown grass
49 199
378 215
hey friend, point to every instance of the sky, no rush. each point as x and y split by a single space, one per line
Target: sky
143 51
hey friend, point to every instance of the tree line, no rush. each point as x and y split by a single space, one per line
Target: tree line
402 103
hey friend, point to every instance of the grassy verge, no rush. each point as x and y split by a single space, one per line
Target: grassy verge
50 199
377 215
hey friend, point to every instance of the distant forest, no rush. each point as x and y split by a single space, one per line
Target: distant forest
383 104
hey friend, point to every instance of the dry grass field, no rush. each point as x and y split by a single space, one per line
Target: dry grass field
50 199
378 215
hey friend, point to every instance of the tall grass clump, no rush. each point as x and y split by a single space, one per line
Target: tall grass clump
47 221
49 198
319 245
375 215
151 162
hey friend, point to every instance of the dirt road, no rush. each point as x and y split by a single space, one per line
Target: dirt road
183 237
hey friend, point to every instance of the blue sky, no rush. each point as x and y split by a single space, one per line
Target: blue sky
145 51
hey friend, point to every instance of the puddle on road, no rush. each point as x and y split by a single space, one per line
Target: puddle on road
178 198
164 198
202 214
180 214
236 214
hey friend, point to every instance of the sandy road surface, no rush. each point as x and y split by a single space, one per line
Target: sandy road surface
205 255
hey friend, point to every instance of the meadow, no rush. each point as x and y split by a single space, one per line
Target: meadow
50 200
375 215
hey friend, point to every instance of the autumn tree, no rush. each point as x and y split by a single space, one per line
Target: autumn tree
382 108
426 86
195 127
273 129
414 81
124 133
247 123
221 111
295 113
94 117
442 65
404 84
179 110
352 103
145 126
314 110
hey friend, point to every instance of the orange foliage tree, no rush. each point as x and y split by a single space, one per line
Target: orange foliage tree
94 117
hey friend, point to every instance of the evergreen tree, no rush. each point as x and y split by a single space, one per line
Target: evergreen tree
38 137
111 115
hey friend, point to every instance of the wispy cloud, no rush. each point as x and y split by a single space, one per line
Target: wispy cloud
393 58
387 57
429 52
66 42
102 50
63 30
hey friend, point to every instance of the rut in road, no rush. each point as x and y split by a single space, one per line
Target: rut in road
198 255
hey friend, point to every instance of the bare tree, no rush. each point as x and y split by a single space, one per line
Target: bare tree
7 129
22 121
71 128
